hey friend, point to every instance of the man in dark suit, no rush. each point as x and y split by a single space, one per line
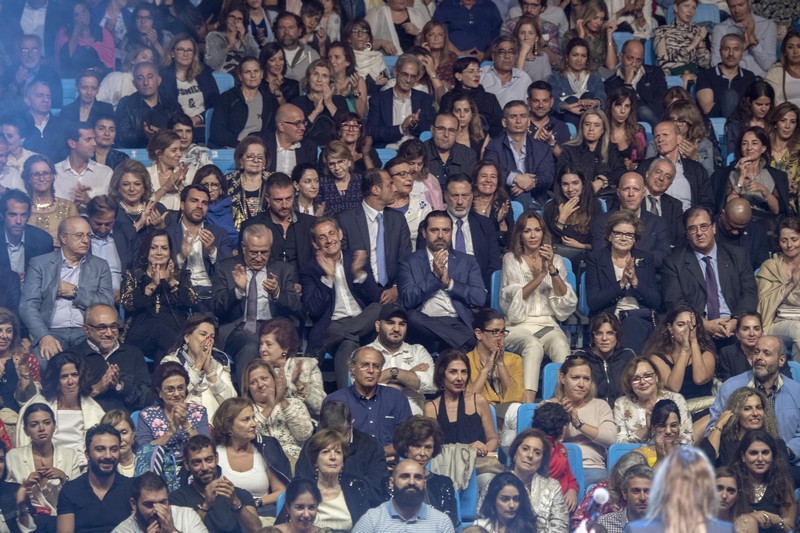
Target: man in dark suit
50 139
403 110
690 185
288 147
444 155
21 241
290 230
382 232
30 65
117 372
144 113
646 81
249 289
735 227
655 239
657 202
111 240
532 186
200 245
714 279
340 296
438 286
60 286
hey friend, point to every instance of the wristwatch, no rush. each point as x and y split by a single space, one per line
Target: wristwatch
393 374
555 273
239 508
258 502
580 424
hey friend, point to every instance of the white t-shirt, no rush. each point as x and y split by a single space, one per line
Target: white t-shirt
255 481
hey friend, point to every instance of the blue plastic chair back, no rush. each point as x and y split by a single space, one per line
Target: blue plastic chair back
223 159
704 13
209 113
525 416
583 305
494 418
137 154
135 418
469 499
570 273
390 62
603 205
69 90
386 155
575 458
617 450
494 290
648 130
730 158
621 37
425 135
280 503
573 130
649 53
516 209
794 366
224 81
550 380
674 81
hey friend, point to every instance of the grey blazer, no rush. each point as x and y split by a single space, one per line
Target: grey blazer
41 286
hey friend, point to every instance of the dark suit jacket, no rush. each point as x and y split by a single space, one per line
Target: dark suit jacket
229 309
672 213
230 117
753 239
682 279
655 238
72 112
416 283
295 248
462 161
37 242
696 175
221 240
650 90
319 299
10 290
41 286
538 160
306 153
137 392
602 288
380 117
397 237
126 243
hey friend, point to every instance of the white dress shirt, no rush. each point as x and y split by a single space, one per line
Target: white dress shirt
372 228
465 230
95 176
105 248
515 89
440 303
263 297
345 305
285 159
64 314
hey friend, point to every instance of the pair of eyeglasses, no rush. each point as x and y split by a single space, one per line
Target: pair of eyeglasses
623 235
496 332
648 376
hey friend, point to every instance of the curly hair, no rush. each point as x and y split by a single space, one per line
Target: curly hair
661 341
736 403
551 418
51 380
780 487
414 431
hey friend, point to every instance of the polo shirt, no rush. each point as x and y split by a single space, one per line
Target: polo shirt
386 519
376 416
712 78
220 518
470 28
93 515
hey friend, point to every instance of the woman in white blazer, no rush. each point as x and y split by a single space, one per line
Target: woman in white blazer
66 391
382 20
25 464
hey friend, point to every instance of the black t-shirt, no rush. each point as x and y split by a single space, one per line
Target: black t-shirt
220 518
93 515
712 78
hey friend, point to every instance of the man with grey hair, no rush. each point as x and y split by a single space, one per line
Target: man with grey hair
759 35
783 395
249 289
502 78
144 113
657 202
403 111
636 483
60 286
365 458
376 410
721 86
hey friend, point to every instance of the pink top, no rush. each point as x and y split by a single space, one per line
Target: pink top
105 48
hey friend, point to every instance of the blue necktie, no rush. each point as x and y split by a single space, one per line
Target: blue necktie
461 244
380 253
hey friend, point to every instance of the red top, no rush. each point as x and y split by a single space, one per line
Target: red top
559 466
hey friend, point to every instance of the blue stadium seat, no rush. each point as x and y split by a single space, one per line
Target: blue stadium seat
516 209
469 499
573 130
390 62
550 380
617 450
223 159
525 416
137 154
583 305
603 205
386 154
718 123
425 135
224 81
648 130
649 53
621 37
69 91
575 458
794 366
135 418
209 113
280 503
494 290
705 13
674 81
730 158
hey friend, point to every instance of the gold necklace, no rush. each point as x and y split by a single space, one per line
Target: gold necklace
46 205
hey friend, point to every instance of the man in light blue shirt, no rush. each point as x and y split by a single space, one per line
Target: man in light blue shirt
406 510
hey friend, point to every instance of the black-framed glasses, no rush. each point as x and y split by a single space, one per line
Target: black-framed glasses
623 234
99 328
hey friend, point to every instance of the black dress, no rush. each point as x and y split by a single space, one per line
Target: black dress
466 428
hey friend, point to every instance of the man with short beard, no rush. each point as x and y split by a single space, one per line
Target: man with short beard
636 483
783 395
408 487
222 507
153 513
288 29
97 501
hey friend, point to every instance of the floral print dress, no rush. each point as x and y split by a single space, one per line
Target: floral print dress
153 423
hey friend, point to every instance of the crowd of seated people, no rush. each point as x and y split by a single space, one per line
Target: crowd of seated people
340 266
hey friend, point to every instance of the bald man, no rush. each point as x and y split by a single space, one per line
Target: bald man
288 146
735 227
60 286
630 196
646 81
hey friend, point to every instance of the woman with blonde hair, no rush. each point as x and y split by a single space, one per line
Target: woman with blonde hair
784 76
683 497
593 25
784 135
138 204
340 188
434 38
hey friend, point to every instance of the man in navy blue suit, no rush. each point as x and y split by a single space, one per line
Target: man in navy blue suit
655 239
20 241
438 286
340 296
402 111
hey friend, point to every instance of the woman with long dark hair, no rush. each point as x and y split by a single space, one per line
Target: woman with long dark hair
778 295
228 46
579 89
346 81
784 136
506 507
146 31
732 505
570 213
490 198
470 127
156 296
273 62
624 130
82 43
757 101
300 508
